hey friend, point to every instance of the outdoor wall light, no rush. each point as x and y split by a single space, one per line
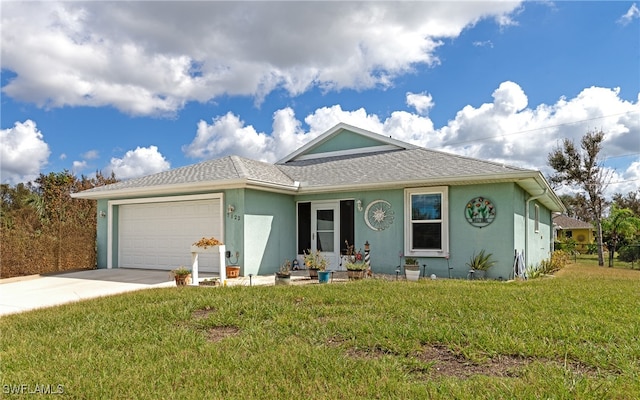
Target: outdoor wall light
230 209
359 204
102 214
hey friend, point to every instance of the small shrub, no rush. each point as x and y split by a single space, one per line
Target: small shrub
630 253
559 259
592 248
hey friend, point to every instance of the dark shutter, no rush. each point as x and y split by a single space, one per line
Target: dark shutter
304 227
347 221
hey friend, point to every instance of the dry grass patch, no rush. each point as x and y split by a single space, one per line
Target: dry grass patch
218 333
203 312
446 363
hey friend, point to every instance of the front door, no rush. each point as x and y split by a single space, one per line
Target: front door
325 231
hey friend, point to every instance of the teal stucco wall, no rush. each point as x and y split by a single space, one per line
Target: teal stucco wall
345 141
496 238
101 234
262 230
269 231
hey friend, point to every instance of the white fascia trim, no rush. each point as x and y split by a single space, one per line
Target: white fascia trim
187 187
449 181
165 199
338 153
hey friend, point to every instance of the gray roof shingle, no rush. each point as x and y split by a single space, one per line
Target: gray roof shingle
221 170
390 166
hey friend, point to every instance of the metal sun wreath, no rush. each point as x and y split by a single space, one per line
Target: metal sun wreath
378 215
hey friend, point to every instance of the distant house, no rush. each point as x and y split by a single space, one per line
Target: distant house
569 228
349 185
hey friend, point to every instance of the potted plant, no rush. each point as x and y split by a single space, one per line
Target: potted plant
283 276
182 276
411 269
479 264
354 263
315 262
355 270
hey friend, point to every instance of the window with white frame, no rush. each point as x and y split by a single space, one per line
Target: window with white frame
536 221
426 222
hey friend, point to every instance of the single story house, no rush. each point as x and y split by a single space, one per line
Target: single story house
568 228
347 185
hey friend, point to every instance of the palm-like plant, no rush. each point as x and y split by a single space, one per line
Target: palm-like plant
481 261
621 225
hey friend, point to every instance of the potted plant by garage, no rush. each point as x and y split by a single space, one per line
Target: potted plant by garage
283 276
479 264
316 264
411 269
182 276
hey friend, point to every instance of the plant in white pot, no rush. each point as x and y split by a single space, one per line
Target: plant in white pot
283 276
411 269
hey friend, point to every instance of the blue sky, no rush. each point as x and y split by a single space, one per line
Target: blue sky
141 87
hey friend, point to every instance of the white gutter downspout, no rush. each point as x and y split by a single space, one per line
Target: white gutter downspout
526 225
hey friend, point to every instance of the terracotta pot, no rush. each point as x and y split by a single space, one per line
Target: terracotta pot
313 273
233 271
183 280
355 274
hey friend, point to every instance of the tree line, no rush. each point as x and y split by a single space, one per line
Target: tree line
43 229
617 223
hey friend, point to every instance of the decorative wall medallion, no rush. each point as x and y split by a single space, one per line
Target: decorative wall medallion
480 212
378 215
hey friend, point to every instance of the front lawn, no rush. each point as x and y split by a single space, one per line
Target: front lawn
573 336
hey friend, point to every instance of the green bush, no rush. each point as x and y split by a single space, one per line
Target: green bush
592 248
559 259
630 253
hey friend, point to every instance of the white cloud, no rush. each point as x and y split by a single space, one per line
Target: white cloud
228 135
91 155
23 152
422 102
139 162
632 13
150 58
483 43
508 130
78 166
628 181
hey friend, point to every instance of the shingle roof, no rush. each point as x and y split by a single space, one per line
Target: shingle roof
225 169
565 222
390 166
395 164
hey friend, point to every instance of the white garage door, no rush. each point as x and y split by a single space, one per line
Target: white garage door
159 235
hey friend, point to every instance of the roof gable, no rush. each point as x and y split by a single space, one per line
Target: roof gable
344 140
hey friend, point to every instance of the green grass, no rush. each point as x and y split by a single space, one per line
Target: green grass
573 336
592 260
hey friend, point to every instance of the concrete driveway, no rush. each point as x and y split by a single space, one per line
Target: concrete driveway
37 291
